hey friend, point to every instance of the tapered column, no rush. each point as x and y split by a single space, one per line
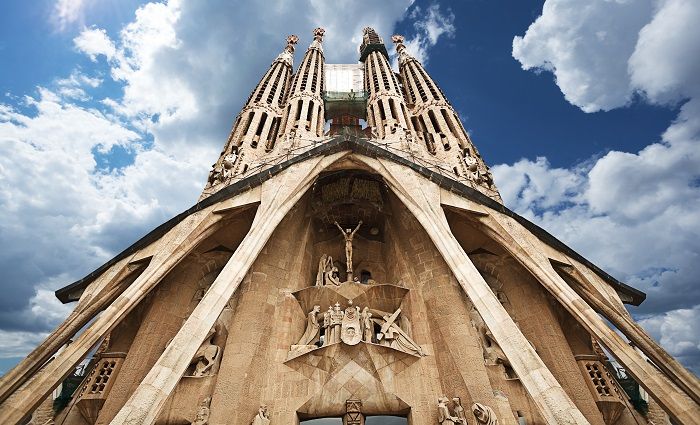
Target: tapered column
423 201
279 195
177 243
385 100
251 137
301 121
638 336
88 307
529 252
443 137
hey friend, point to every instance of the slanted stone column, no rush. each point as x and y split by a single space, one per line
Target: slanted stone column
278 196
423 202
175 246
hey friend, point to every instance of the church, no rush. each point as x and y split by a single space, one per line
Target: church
349 261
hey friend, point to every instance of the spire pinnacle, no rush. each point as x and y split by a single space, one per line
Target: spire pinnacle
398 40
318 39
287 54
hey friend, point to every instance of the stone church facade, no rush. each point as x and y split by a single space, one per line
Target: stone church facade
350 257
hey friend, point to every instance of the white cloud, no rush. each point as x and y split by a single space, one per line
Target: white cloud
637 215
67 12
429 26
94 42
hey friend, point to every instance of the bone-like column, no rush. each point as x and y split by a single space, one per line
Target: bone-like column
423 201
86 309
279 195
529 252
178 242
636 334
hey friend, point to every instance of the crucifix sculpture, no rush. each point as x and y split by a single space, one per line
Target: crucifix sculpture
348 235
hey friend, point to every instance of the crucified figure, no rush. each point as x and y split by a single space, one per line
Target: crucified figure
348 235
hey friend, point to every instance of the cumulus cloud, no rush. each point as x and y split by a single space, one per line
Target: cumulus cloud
67 12
62 212
429 25
95 42
636 214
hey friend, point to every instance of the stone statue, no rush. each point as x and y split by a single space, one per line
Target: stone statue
484 414
444 415
206 356
202 416
391 335
348 235
327 329
493 354
327 272
351 326
262 417
367 325
336 322
459 410
311 333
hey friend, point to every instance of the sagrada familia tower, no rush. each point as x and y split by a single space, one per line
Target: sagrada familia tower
350 257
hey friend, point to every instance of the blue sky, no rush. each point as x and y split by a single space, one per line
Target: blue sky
112 112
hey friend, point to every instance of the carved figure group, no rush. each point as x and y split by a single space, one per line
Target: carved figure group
327 272
483 414
444 415
493 354
354 325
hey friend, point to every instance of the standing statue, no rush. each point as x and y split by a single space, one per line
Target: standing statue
348 235
367 325
459 410
336 322
311 333
262 418
484 414
328 325
202 416
444 415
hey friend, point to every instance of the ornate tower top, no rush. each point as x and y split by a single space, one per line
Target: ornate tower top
398 40
318 39
371 42
287 55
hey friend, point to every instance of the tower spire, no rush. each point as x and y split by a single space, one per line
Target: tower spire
303 117
255 129
386 107
437 125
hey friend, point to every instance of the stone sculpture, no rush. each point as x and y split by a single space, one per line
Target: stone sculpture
327 329
202 416
262 418
393 336
351 332
206 356
459 410
493 354
336 323
484 414
327 272
367 325
311 334
348 235
444 415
